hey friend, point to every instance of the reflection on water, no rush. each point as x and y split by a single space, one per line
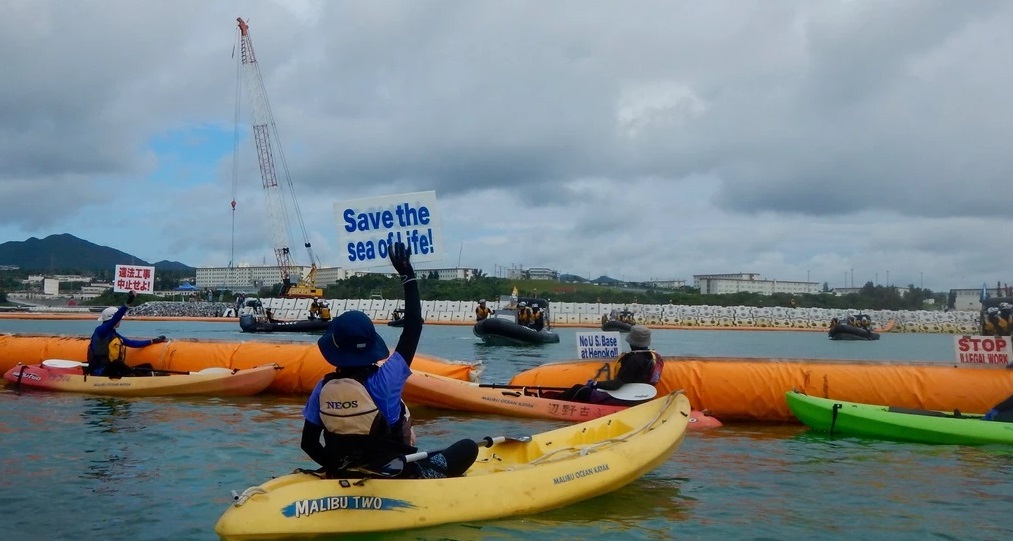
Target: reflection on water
109 415
109 441
165 468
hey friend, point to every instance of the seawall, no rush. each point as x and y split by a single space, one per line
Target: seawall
562 314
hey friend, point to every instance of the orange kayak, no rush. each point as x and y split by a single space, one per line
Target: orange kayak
211 381
437 391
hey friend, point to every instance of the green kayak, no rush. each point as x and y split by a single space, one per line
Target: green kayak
903 424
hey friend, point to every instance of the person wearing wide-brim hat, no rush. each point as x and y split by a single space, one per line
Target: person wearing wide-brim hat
639 365
358 407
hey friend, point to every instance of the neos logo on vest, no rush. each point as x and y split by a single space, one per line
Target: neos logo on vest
342 405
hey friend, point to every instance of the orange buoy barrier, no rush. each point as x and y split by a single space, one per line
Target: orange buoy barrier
885 328
303 365
753 389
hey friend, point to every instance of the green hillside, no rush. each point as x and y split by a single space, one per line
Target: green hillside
68 254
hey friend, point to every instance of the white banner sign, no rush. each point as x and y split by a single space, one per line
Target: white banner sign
982 349
134 278
368 227
598 345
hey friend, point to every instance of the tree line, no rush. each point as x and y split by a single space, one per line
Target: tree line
869 297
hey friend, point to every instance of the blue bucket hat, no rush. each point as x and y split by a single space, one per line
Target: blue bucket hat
351 340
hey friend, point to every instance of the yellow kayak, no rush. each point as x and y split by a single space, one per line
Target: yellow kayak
553 469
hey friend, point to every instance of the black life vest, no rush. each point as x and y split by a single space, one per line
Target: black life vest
102 351
657 365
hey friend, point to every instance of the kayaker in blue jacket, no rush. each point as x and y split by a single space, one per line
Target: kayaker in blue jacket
107 352
358 408
1003 411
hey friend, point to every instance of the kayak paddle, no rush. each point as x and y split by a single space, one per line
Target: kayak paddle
63 363
630 391
396 466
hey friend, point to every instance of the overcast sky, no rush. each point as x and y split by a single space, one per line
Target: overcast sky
639 139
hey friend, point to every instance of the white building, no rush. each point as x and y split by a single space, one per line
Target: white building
726 284
667 284
244 276
969 300
448 274
542 273
95 289
254 277
51 286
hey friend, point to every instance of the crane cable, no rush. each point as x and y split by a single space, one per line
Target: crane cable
235 148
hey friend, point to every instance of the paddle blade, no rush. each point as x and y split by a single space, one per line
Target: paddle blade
214 370
63 363
633 392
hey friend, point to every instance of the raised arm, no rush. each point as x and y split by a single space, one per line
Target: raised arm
406 345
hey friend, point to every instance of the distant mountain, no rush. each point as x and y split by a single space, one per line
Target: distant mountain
66 253
599 280
173 265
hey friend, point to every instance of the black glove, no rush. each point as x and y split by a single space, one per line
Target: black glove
399 259
130 298
158 339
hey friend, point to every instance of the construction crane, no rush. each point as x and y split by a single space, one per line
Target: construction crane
264 130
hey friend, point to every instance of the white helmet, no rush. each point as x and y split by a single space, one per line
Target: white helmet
108 313
991 310
1005 306
481 301
522 303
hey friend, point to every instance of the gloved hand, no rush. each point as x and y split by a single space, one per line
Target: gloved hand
130 298
592 384
400 257
158 339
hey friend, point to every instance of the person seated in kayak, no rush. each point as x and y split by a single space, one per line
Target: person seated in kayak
523 313
325 311
1002 412
396 314
358 408
482 311
834 322
639 365
107 351
537 318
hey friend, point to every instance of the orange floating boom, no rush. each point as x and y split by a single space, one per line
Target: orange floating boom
753 389
303 365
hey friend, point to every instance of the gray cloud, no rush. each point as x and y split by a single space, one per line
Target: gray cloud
678 138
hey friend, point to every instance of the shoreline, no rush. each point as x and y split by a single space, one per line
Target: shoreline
55 316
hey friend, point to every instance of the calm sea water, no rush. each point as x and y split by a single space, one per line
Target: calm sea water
78 467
